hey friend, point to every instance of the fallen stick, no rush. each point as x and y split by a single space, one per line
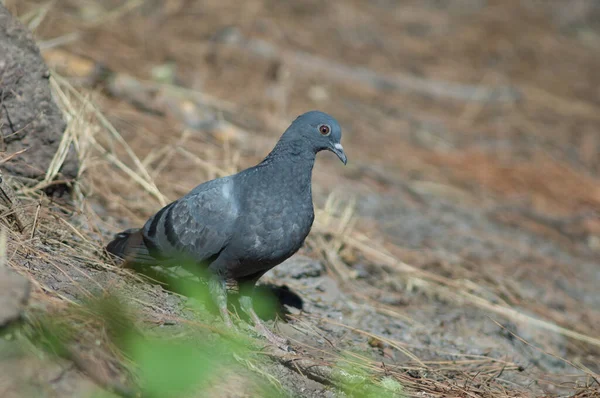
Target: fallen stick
308 64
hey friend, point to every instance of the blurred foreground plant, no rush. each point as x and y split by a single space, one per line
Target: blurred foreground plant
121 349
158 365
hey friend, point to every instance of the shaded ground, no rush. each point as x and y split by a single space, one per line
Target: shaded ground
462 257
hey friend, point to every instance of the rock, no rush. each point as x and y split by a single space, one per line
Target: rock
298 267
29 118
14 293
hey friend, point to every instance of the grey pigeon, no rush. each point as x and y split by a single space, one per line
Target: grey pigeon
240 226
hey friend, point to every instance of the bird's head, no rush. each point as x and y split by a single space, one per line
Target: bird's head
319 131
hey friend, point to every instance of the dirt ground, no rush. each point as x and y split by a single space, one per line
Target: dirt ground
457 254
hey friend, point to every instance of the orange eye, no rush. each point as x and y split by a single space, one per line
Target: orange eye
324 129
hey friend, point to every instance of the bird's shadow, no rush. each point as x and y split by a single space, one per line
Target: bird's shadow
270 300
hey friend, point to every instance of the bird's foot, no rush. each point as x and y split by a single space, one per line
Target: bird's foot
226 318
280 342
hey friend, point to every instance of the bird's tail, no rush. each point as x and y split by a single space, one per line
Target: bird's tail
129 245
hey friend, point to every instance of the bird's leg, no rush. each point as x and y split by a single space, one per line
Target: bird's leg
218 292
248 308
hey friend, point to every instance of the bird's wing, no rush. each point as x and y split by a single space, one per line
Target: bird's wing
196 227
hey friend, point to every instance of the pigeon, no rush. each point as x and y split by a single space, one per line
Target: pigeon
240 226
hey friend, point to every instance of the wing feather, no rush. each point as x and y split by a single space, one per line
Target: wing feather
196 227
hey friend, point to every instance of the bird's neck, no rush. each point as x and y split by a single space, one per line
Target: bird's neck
293 161
291 151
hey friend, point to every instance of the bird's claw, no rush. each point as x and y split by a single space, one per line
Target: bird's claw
226 318
280 342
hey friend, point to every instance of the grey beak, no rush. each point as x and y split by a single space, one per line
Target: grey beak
338 149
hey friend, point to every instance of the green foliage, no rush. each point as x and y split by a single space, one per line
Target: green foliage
354 379
161 366
174 369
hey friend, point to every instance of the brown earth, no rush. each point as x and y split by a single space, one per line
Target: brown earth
456 254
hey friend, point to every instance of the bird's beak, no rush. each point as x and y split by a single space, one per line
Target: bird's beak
338 149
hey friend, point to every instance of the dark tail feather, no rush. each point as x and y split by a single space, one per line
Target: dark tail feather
129 245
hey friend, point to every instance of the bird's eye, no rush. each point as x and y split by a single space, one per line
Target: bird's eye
324 129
